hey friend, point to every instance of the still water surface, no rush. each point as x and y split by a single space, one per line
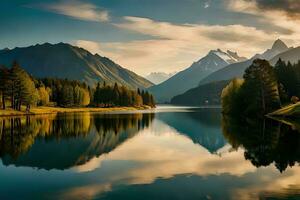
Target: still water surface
170 153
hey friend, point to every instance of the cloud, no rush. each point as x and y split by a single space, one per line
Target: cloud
285 17
289 7
157 149
78 10
173 47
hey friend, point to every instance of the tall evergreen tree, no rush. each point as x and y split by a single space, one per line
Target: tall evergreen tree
4 85
260 90
116 95
22 88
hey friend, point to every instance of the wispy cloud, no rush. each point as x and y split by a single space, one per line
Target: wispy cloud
282 13
289 7
78 10
176 46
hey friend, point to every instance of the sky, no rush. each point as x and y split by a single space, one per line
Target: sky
152 35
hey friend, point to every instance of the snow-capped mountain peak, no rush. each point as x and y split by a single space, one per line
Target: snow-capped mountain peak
228 56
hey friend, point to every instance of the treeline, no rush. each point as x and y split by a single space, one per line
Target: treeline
64 93
288 76
107 96
263 89
18 88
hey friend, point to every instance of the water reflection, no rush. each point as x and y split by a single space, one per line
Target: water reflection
175 155
203 126
265 141
65 140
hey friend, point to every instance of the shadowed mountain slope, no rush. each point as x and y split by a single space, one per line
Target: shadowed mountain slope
190 77
66 61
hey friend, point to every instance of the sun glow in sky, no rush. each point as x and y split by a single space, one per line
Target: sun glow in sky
151 35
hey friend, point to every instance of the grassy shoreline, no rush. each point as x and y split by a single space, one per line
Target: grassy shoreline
54 110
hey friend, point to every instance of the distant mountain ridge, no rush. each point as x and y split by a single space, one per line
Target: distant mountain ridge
66 61
237 69
292 55
278 47
190 77
210 88
203 95
159 77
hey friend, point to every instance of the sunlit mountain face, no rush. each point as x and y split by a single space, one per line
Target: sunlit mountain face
190 151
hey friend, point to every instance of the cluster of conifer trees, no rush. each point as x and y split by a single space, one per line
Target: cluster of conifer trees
18 88
107 96
66 93
263 89
288 76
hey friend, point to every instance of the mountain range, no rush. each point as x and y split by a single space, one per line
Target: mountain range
189 124
190 77
66 61
208 94
209 89
159 77
237 69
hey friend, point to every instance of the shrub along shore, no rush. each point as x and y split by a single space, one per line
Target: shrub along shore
41 110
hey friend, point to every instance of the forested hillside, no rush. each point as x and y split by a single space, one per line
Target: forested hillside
18 88
208 94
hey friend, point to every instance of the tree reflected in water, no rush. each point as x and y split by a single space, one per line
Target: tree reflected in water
65 140
265 141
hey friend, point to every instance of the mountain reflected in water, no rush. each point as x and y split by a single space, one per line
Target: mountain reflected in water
167 153
203 126
65 140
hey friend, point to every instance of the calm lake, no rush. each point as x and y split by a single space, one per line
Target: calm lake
168 153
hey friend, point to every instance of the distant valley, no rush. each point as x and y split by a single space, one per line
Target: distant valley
159 77
190 77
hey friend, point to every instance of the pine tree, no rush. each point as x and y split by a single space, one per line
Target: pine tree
4 85
288 76
23 89
152 101
260 89
116 95
67 96
97 95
